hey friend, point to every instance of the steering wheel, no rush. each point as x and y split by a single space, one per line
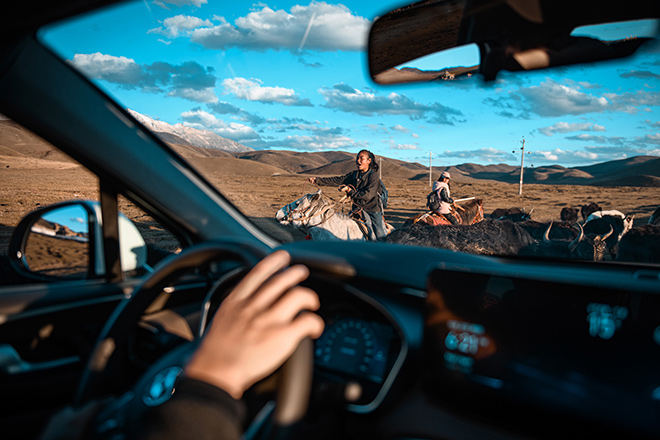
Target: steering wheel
108 367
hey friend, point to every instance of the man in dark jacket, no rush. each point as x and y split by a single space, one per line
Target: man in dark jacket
364 188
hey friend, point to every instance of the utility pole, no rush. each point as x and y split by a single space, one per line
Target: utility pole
522 161
430 169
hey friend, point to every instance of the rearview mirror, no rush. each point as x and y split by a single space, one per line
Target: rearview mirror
65 242
446 40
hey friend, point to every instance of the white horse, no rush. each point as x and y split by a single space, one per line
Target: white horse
318 216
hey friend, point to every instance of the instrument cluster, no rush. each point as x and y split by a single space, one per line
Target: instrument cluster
361 347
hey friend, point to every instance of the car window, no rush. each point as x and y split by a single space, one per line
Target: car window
261 97
36 175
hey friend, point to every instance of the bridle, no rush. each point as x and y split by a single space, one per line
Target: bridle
480 215
316 210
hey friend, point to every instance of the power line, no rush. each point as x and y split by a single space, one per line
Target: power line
430 169
522 161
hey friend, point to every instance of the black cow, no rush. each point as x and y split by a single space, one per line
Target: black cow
601 226
569 214
560 230
580 248
641 245
513 214
589 209
488 237
655 217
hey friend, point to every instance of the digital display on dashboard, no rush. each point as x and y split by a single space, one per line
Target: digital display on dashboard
589 353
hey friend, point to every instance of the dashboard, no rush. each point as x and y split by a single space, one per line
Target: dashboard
460 347
362 349
493 348
552 351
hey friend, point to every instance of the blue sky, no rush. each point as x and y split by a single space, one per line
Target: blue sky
292 75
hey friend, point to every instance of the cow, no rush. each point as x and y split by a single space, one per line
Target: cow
640 245
569 214
580 248
620 224
560 230
589 209
655 217
513 214
488 237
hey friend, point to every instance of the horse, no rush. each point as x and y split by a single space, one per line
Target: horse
472 212
317 215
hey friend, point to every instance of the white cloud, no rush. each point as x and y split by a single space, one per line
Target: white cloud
553 99
348 99
653 139
179 25
206 121
566 127
634 102
179 3
188 80
588 155
614 140
488 155
206 95
252 90
319 143
377 128
333 27
400 128
396 146
120 70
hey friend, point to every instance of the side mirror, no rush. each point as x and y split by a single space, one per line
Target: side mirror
65 241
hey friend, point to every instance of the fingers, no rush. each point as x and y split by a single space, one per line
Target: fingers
305 325
291 304
276 286
266 268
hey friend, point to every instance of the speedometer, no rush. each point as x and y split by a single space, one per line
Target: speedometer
353 346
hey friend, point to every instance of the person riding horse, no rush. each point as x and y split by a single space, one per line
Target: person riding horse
363 186
441 186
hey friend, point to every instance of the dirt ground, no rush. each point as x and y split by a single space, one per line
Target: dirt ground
408 198
25 189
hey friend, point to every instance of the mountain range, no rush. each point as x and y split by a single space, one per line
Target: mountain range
213 154
183 135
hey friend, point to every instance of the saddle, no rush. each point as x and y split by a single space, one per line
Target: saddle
355 216
435 219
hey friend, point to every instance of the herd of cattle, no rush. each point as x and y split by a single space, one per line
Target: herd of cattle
599 235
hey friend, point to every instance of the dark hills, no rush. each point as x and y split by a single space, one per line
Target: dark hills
16 143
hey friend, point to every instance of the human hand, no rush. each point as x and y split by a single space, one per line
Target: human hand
312 179
257 327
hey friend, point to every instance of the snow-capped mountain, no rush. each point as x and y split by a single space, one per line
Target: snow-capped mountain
193 136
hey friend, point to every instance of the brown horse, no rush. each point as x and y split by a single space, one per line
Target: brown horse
472 212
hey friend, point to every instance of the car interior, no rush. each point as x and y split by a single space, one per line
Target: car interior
419 342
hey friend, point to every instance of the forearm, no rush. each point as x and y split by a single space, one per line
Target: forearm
445 197
196 410
330 181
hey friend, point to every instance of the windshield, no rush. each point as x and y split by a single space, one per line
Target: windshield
274 101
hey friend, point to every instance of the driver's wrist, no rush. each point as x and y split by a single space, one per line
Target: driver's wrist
225 383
